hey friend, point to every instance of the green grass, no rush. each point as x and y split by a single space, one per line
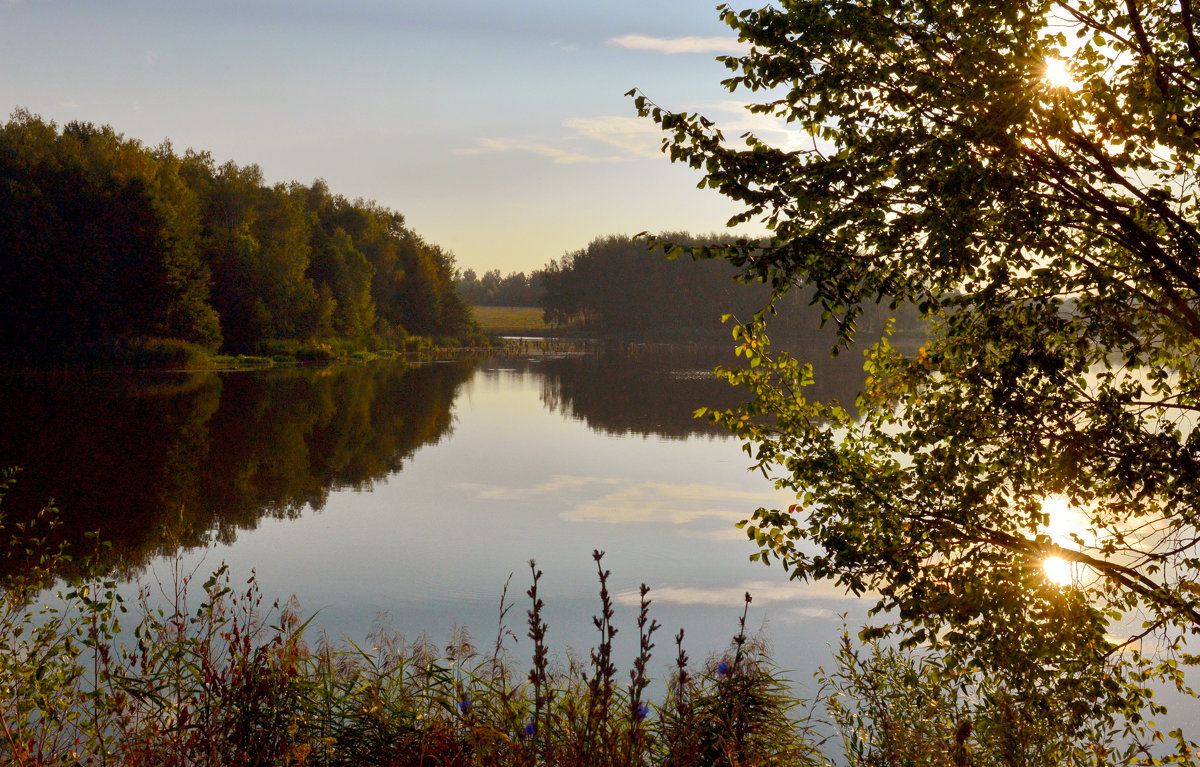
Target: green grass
511 320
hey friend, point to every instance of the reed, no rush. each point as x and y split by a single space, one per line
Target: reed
216 675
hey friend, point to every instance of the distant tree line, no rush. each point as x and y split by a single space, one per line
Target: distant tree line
104 241
618 286
493 290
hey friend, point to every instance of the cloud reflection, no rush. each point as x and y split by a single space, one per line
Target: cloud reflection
763 592
801 614
555 484
666 503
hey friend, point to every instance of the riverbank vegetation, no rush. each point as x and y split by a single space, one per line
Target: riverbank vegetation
214 675
111 249
511 320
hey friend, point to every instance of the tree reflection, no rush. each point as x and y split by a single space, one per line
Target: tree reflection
655 389
159 461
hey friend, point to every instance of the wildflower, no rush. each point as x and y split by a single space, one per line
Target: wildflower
529 728
642 710
464 704
723 668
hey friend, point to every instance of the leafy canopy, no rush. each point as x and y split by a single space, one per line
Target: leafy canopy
1047 228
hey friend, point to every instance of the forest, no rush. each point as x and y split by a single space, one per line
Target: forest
109 247
618 286
491 289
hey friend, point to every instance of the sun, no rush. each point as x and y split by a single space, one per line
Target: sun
1058 571
1057 75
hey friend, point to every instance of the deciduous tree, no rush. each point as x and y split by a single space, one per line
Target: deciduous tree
1025 172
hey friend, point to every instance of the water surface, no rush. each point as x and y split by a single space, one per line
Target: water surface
411 493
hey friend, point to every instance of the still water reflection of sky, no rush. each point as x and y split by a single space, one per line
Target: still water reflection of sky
432 545
415 492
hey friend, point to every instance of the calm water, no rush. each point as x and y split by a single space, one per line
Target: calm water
412 492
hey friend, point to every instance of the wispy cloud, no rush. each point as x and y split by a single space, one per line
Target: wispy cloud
558 155
665 503
151 57
592 139
674 45
585 141
734 119
632 135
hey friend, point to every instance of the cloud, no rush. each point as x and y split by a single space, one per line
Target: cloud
559 156
771 130
632 135
763 592
151 58
665 503
674 45
585 138
555 484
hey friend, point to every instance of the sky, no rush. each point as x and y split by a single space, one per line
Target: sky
500 130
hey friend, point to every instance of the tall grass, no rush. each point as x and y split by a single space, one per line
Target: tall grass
213 675
208 673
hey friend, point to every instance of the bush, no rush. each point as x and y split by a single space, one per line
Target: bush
920 708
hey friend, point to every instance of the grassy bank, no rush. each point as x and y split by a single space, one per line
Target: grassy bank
511 320
173 354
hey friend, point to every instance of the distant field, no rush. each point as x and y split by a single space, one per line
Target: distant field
510 320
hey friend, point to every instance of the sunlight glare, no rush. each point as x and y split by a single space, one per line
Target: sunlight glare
1057 75
1062 524
1058 571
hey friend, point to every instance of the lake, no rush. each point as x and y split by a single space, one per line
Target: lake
408 494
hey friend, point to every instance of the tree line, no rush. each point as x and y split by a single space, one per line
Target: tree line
106 242
619 286
491 289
